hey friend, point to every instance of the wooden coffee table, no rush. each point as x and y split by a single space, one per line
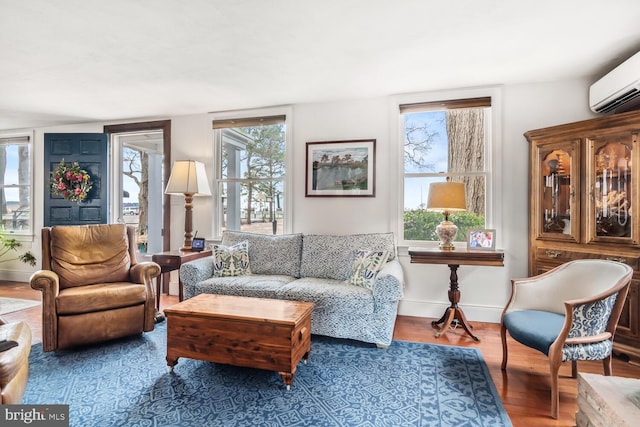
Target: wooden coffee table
251 332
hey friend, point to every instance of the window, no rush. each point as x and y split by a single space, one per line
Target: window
15 183
250 174
138 168
140 165
445 140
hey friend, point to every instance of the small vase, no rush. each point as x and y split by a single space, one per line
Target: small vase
446 231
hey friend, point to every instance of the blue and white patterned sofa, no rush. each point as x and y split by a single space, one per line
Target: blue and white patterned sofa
313 268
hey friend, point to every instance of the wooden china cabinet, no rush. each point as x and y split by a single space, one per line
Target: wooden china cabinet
584 187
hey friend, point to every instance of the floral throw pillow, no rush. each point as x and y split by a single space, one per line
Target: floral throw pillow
231 260
366 266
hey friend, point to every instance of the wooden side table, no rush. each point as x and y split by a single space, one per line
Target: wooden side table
170 261
455 259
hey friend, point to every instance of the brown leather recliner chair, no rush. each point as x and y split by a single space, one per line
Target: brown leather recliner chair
14 362
92 287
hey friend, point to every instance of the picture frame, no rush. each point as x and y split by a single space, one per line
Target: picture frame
341 168
481 239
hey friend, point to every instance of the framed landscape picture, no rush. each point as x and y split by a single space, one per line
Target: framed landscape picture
481 240
341 168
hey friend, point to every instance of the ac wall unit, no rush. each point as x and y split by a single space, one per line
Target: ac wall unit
617 89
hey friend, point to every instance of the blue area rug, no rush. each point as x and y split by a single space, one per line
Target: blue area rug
345 383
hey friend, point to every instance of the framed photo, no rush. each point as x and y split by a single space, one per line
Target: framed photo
481 240
341 168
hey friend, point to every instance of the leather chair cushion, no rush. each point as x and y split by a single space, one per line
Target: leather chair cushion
88 255
99 297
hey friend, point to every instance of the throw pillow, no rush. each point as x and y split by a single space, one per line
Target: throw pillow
231 260
366 267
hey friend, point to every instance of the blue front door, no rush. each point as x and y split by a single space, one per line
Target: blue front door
90 150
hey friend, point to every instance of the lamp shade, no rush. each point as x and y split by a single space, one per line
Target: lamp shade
188 177
446 197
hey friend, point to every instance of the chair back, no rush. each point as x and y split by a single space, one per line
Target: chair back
88 254
579 279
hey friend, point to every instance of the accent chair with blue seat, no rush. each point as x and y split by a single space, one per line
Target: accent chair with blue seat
569 313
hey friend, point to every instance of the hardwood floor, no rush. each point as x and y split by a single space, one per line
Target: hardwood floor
524 387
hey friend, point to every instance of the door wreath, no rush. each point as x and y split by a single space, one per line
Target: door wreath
70 182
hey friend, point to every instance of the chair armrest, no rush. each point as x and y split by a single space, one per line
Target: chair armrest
389 283
48 283
587 328
587 340
144 272
194 272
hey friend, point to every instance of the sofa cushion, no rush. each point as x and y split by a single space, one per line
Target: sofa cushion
366 267
231 260
270 254
329 295
255 285
332 257
86 255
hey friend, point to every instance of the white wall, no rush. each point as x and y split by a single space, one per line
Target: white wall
339 121
191 139
484 289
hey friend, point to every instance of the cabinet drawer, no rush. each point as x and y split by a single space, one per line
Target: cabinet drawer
168 264
555 257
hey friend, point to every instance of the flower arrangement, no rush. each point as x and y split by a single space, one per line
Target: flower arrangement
70 182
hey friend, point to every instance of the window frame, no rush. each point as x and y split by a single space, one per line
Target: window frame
285 111
493 148
26 235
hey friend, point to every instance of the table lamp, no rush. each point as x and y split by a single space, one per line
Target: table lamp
188 177
446 197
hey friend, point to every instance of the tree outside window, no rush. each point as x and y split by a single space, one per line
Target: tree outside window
444 140
252 170
135 166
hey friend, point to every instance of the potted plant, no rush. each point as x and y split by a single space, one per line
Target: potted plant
11 244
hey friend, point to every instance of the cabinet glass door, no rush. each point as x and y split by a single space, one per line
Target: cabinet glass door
611 214
557 207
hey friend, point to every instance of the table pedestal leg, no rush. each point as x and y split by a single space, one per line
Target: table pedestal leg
453 312
159 316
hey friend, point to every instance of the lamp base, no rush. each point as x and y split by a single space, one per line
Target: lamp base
446 231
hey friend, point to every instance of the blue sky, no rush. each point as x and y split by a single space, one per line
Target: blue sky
11 173
132 188
416 190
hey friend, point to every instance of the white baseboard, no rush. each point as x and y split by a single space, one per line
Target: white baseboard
16 275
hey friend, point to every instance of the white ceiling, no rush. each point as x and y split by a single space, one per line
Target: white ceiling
73 61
